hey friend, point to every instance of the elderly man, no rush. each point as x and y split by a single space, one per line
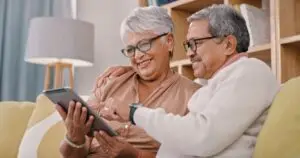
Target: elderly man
227 113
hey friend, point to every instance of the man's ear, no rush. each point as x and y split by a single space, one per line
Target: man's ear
230 44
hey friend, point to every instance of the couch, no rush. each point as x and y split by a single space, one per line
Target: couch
31 130
280 135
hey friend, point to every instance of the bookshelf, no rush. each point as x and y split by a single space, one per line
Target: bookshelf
288 45
281 53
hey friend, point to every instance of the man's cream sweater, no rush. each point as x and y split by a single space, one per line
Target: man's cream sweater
225 115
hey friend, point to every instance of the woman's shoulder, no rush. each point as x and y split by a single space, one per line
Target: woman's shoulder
110 85
186 83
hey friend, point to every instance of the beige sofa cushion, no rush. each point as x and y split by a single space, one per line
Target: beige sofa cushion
44 133
280 136
14 118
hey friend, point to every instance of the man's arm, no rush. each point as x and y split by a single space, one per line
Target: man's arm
233 108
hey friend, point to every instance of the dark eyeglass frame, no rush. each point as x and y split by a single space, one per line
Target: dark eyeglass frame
136 47
187 44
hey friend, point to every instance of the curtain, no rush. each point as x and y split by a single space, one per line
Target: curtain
21 81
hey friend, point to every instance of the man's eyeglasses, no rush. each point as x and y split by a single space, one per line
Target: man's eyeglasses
143 46
192 43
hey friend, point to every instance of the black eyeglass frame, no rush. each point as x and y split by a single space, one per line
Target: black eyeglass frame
136 47
187 45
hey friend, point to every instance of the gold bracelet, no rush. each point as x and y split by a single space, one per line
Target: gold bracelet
69 142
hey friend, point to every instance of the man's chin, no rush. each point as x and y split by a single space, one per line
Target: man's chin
198 74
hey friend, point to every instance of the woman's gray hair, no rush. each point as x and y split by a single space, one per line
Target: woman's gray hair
224 20
144 19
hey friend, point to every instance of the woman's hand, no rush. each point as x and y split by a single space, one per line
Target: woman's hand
115 110
75 122
111 147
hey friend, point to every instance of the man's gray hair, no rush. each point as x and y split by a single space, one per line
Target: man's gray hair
224 20
147 19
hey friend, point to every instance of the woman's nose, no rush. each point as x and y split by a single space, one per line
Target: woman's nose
138 54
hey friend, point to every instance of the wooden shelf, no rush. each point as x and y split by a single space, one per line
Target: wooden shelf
256 3
183 62
260 48
191 6
142 3
290 39
290 59
282 54
289 12
262 52
183 67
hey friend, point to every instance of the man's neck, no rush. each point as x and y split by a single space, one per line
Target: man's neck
231 59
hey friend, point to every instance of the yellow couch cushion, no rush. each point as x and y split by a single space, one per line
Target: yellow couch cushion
44 133
280 136
14 118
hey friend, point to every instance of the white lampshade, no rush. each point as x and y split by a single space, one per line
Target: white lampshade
63 40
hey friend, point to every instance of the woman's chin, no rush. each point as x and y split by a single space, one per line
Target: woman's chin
146 74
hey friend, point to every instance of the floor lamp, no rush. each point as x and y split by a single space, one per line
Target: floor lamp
60 43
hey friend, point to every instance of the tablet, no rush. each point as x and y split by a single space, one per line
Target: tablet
63 96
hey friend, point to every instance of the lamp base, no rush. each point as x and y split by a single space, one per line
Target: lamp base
58 80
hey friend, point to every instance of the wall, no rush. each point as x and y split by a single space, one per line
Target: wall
107 16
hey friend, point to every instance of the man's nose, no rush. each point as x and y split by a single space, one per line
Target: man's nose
190 53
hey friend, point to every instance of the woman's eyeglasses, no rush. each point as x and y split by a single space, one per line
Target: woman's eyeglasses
143 46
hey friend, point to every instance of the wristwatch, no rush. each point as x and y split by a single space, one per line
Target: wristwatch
133 108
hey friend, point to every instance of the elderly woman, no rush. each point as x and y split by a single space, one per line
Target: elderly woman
227 113
148 39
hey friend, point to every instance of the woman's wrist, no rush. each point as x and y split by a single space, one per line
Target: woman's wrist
75 142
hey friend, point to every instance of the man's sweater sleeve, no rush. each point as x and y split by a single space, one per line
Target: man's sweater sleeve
231 110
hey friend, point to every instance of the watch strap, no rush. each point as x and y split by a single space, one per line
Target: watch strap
133 108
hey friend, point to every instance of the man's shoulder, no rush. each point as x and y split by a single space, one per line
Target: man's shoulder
253 66
249 67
